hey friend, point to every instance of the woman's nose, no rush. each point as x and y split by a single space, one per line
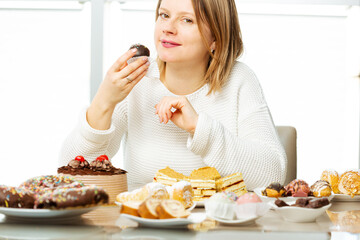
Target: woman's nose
169 27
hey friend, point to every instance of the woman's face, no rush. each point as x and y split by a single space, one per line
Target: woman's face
177 36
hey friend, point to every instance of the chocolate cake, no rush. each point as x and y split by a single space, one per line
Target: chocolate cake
99 172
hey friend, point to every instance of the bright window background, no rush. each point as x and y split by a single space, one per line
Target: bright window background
44 83
305 57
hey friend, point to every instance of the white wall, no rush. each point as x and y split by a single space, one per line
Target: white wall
305 58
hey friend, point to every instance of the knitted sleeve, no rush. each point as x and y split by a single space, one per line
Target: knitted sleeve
91 143
255 150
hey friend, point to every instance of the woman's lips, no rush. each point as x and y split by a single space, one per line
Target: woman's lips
169 44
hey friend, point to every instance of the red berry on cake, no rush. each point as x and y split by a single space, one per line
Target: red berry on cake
105 156
78 162
101 158
80 158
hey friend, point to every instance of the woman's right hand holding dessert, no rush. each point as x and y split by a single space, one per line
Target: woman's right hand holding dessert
118 83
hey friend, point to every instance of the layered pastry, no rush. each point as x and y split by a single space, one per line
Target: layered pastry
320 188
232 183
275 190
349 183
297 188
203 181
99 172
332 177
168 176
14 197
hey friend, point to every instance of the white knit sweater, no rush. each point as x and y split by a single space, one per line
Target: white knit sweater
235 133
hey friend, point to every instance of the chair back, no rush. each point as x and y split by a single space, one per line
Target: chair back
288 135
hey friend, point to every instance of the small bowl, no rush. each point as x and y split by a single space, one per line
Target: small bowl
300 214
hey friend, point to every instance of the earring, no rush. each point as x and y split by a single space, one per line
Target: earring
212 50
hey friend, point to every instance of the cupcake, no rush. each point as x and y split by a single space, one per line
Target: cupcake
250 205
221 205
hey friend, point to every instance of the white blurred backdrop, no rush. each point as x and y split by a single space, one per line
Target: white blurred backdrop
306 56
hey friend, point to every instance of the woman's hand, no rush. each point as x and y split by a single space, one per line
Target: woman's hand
179 110
121 78
118 83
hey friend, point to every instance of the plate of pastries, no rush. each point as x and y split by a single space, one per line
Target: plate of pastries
157 205
297 188
345 186
50 196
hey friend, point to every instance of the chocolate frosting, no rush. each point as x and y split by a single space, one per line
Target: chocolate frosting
94 168
78 164
16 197
72 197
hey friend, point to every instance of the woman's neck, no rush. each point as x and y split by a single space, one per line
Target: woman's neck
183 79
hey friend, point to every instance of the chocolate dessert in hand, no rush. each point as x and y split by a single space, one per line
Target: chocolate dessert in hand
141 51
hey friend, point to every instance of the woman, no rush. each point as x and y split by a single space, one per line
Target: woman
195 107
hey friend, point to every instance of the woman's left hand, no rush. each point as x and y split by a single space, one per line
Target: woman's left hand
179 110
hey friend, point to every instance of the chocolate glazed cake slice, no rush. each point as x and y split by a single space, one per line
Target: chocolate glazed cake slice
73 197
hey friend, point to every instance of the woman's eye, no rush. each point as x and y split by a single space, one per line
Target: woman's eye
163 15
187 20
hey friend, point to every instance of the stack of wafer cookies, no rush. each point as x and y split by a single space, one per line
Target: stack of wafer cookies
205 181
232 183
168 176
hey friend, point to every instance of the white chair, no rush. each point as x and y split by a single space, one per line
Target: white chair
288 135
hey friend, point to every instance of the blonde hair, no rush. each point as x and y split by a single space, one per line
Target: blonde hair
222 18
